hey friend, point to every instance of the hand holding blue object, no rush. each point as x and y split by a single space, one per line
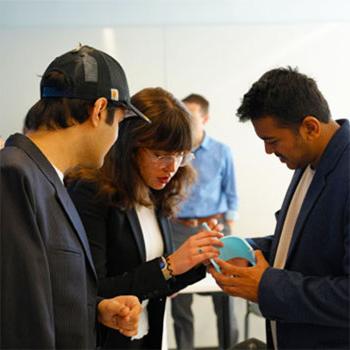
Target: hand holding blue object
234 247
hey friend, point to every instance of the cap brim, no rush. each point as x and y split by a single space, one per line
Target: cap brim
137 112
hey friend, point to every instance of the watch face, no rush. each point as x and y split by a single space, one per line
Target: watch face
161 263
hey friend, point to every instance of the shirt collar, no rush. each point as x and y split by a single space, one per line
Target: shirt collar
59 173
205 142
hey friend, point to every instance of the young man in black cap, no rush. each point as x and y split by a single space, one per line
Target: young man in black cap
48 280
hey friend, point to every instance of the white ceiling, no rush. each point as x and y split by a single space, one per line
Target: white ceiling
90 13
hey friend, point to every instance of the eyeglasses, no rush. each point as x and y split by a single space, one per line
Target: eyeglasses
181 159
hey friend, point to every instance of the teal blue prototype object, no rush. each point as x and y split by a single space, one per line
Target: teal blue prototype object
235 247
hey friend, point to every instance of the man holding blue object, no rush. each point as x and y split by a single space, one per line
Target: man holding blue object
213 196
301 277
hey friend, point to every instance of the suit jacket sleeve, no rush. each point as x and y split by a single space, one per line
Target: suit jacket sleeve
263 243
25 278
143 279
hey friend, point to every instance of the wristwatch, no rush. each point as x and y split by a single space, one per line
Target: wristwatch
164 268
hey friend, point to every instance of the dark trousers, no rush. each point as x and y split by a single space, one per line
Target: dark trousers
182 312
183 320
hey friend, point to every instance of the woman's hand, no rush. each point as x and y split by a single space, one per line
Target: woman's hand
197 249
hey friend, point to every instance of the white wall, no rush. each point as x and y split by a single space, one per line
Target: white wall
160 44
220 62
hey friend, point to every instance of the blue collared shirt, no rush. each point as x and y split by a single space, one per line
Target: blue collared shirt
215 189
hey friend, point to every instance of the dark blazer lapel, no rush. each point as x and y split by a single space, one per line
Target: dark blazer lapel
74 218
310 199
50 173
328 162
283 212
137 232
165 229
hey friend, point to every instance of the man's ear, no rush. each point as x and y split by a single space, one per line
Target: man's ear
310 128
99 106
205 118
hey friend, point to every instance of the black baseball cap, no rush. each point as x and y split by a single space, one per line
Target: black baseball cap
91 74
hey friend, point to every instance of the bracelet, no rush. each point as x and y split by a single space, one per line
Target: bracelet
163 264
168 266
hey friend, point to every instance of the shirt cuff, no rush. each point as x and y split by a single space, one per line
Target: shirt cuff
251 243
231 215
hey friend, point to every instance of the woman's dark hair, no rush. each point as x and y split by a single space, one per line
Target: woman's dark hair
120 180
286 95
59 113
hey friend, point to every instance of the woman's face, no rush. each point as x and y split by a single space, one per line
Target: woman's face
158 167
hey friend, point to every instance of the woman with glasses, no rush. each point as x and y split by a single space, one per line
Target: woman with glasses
125 207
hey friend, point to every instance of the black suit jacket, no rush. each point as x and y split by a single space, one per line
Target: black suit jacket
48 281
118 250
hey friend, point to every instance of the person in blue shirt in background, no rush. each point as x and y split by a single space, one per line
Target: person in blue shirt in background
213 196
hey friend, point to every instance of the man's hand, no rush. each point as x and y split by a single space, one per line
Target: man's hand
240 281
121 313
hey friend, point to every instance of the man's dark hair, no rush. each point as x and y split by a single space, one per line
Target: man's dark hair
199 100
60 112
286 95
